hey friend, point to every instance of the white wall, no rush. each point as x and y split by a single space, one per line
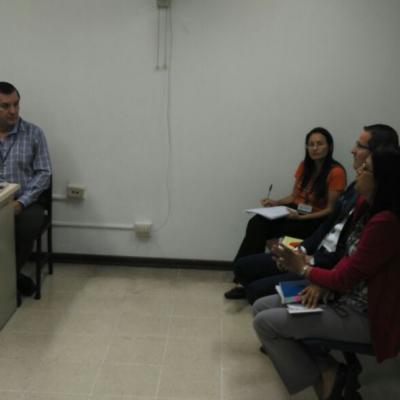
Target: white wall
248 80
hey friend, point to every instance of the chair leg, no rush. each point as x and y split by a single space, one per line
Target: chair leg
352 383
38 269
50 249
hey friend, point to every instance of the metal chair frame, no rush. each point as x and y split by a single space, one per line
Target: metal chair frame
350 351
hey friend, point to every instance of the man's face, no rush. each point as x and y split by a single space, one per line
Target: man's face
360 150
9 110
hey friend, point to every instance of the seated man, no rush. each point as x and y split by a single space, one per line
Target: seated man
24 159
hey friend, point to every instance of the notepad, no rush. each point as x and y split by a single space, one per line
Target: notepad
270 212
291 242
289 290
301 309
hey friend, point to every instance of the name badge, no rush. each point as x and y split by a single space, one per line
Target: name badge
304 208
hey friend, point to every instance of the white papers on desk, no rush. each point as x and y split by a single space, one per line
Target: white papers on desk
270 212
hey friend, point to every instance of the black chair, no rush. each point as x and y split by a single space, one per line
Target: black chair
42 258
350 351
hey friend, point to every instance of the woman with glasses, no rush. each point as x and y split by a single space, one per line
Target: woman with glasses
365 281
319 180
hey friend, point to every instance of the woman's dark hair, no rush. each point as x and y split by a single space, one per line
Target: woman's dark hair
8 88
319 186
386 170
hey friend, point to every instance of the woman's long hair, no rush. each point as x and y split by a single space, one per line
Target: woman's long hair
386 172
319 186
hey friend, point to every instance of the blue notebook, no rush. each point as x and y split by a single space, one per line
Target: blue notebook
289 290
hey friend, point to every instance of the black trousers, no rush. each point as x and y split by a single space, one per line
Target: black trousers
260 229
27 227
259 275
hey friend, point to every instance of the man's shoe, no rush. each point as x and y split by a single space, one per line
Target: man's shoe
235 293
25 285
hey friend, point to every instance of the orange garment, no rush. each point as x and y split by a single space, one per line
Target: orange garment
336 181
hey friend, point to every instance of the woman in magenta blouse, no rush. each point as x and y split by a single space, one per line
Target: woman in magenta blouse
366 283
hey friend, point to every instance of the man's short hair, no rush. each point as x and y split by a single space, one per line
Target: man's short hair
381 136
8 88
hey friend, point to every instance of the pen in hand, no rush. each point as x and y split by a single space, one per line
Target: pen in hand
267 202
270 190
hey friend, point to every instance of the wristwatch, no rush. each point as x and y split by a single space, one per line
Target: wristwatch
305 270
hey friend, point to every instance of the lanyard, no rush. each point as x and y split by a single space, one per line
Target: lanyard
4 158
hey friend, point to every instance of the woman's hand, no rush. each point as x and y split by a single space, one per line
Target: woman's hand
266 202
270 243
311 295
288 259
293 214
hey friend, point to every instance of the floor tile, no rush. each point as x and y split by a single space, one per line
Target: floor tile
63 377
89 323
35 321
238 328
196 328
146 304
124 379
136 350
52 396
15 375
189 352
24 345
190 381
139 325
195 306
74 348
237 354
244 384
7 395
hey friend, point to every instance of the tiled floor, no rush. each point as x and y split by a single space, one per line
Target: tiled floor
115 333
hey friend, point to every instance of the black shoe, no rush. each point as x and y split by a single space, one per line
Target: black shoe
25 285
340 383
235 293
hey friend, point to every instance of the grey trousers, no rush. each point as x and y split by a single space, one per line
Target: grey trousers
279 333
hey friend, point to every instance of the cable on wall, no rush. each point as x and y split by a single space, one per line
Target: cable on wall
168 67
163 18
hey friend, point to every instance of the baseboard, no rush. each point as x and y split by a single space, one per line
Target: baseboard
71 258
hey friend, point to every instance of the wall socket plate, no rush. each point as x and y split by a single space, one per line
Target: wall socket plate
142 229
76 191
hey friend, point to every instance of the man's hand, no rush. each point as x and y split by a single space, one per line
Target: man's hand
311 295
18 207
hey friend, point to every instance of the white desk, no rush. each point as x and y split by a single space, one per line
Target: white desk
8 291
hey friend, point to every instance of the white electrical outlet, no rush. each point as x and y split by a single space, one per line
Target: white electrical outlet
76 191
142 229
